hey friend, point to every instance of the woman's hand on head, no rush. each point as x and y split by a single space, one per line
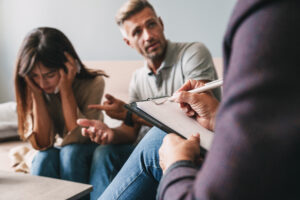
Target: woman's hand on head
67 78
35 90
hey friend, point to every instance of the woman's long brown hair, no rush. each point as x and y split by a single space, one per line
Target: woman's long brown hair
47 46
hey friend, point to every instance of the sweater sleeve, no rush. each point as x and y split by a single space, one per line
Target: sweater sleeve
180 177
87 92
255 150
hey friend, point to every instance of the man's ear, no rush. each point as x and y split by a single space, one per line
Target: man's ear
124 34
126 41
161 22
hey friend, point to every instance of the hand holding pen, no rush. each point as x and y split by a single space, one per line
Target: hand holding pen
197 103
192 86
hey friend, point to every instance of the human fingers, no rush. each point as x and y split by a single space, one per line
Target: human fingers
190 113
88 132
172 139
71 65
71 70
186 108
194 137
109 97
161 153
84 132
97 137
168 147
104 138
30 83
96 106
193 142
70 58
62 74
184 97
85 122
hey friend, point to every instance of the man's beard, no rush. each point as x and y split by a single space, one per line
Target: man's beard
157 55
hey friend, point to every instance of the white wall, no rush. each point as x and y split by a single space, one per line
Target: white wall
90 26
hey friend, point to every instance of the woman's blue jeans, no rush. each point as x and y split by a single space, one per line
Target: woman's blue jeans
71 162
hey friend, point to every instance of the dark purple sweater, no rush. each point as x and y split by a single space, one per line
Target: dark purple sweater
256 150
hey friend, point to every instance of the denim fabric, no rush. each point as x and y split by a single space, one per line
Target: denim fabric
140 175
71 162
106 163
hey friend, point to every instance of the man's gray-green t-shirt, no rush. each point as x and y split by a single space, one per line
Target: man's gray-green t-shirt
183 61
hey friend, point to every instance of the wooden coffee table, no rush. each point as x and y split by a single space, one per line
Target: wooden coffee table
15 186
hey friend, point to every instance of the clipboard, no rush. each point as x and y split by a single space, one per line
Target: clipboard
164 117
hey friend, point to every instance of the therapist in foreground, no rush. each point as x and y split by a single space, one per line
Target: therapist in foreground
256 146
203 107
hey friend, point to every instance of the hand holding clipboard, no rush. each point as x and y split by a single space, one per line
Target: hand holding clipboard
170 118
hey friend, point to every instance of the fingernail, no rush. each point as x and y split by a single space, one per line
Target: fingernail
175 96
196 134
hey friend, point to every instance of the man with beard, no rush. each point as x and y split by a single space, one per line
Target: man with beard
168 66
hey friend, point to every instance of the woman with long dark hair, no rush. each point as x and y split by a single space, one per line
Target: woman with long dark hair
53 89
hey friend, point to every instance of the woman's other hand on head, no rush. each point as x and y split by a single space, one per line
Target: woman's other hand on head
67 77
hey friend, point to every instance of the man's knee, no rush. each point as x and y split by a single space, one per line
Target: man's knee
147 149
152 140
108 153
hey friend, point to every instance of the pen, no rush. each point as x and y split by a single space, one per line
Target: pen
208 86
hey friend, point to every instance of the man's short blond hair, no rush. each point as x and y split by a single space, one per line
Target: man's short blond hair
130 8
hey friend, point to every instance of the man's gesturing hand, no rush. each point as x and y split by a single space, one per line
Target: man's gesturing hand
113 107
96 130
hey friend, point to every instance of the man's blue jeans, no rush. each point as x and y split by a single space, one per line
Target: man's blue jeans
106 163
71 162
140 175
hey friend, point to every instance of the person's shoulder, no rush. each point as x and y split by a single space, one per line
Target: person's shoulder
196 50
189 48
185 45
196 47
96 82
